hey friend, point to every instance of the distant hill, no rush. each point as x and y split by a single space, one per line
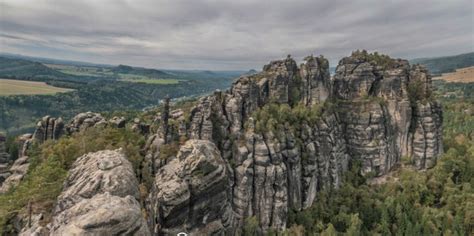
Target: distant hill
96 88
204 74
52 61
153 73
19 68
439 65
251 72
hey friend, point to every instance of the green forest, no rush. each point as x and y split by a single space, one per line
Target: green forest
98 93
439 65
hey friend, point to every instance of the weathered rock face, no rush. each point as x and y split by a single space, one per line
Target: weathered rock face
192 193
102 214
426 142
153 161
140 127
316 81
390 112
12 174
24 143
281 79
85 120
118 122
15 174
35 229
99 172
381 110
49 128
370 137
100 196
238 164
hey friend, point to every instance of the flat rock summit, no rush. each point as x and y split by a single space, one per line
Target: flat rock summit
261 149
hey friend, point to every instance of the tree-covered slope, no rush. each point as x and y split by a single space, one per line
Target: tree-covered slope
19 68
101 93
446 64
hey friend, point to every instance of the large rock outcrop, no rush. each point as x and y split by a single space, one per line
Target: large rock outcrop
85 120
100 197
11 175
48 128
374 111
425 140
15 174
192 193
263 148
316 83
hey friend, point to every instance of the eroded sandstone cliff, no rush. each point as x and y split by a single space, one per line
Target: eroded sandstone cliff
373 111
100 197
261 149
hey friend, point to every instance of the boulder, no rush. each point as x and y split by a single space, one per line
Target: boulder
118 122
102 214
100 196
85 120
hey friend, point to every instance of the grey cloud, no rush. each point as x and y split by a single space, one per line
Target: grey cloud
222 35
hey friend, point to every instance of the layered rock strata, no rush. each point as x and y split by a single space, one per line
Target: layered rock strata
85 120
100 197
12 174
192 193
48 128
263 148
373 111
15 174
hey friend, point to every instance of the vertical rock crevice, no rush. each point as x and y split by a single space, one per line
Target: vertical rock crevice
365 114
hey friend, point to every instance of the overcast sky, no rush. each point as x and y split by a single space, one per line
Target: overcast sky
237 34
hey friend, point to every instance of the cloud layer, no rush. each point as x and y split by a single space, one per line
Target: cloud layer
224 35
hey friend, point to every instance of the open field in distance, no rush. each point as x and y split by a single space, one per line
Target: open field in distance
21 87
81 70
463 75
108 72
151 81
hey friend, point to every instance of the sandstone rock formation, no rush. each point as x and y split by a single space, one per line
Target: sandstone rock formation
263 148
11 176
118 122
24 143
192 193
36 228
100 196
48 128
140 127
153 161
16 173
85 120
374 111
316 83
102 214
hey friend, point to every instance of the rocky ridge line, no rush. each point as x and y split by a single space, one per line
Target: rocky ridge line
374 111
240 163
